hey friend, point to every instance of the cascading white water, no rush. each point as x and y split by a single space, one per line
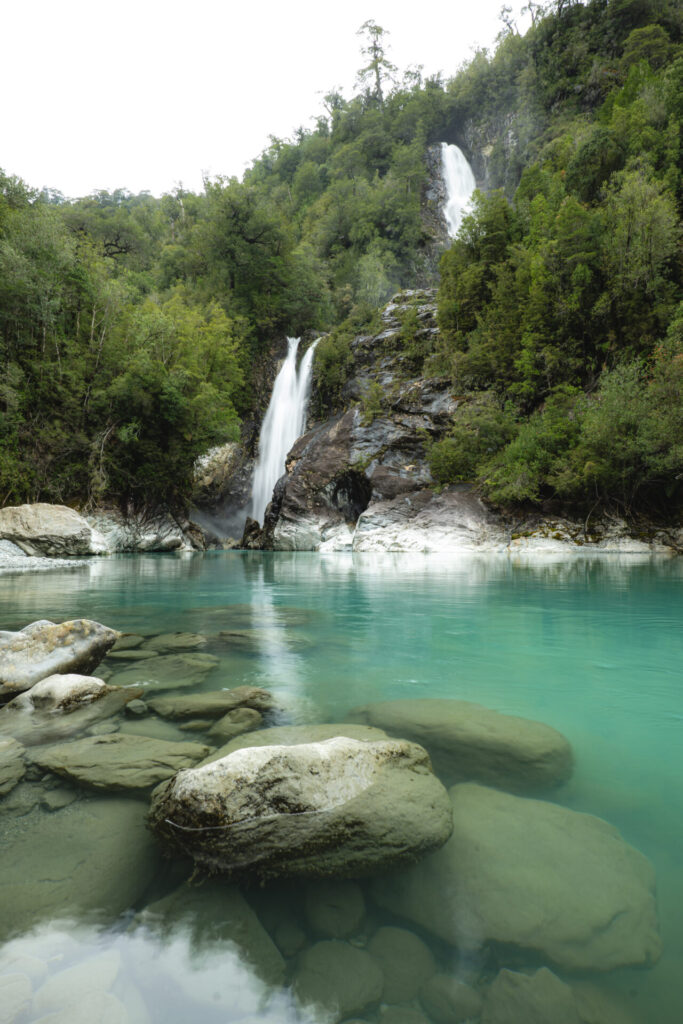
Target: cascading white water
460 184
283 423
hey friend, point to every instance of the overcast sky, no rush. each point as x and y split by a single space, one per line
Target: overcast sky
146 94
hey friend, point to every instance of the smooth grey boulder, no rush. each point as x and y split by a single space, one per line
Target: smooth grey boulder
213 704
62 692
119 760
539 998
292 735
216 912
334 908
469 742
235 723
43 529
340 808
62 707
448 1000
102 859
406 962
44 648
12 764
167 671
338 978
532 875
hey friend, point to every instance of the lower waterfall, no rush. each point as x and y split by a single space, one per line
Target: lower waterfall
283 423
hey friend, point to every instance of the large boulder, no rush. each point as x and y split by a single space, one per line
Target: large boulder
61 706
292 735
338 808
118 761
43 529
532 875
467 741
43 649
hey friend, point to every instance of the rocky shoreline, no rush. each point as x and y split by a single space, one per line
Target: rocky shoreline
443 814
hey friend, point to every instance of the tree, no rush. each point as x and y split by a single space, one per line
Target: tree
379 68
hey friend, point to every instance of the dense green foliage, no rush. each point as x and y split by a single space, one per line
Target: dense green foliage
564 301
132 329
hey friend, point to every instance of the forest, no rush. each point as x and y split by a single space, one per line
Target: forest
132 328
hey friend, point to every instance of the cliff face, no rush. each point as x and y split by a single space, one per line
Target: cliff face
360 480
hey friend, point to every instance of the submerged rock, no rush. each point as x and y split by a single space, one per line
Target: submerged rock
119 761
338 978
43 649
43 529
216 912
467 741
406 962
12 765
448 1000
235 723
213 704
334 908
529 999
101 859
15 997
170 642
339 808
167 671
536 876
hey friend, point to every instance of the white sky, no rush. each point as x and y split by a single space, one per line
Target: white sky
145 94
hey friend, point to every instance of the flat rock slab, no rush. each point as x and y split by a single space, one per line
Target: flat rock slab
43 649
536 876
340 808
102 859
118 760
168 643
214 704
167 672
467 741
217 912
12 765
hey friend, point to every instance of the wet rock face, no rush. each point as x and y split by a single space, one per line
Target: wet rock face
339 808
43 649
468 741
536 876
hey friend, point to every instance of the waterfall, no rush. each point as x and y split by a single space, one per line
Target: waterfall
283 423
460 184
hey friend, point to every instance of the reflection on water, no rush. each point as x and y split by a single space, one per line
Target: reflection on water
590 645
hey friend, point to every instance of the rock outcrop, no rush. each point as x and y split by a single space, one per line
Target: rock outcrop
43 648
159 531
43 529
339 808
532 875
469 742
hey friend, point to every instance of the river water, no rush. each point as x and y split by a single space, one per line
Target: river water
590 645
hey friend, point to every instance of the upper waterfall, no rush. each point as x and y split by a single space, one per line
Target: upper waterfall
283 423
460 184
